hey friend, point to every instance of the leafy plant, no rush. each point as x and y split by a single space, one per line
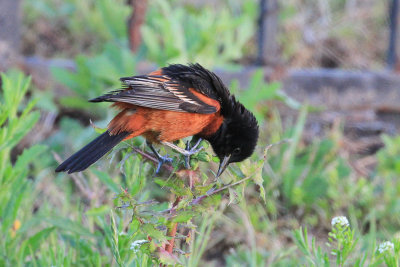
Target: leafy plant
181 34
302 173
386 179
313 254
342 250
87 24
258 92
16 120
117 212
94 76
151 227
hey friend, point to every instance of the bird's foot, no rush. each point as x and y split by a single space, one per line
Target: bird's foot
161 161
185 152
191 151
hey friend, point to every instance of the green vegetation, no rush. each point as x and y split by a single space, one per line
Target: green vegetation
16 193
197 35
78 25
274 209
94 76
83 222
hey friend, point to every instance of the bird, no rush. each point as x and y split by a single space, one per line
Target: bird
169 104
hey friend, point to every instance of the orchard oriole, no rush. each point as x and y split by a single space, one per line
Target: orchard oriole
169 104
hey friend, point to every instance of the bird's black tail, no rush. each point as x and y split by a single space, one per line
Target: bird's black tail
91 152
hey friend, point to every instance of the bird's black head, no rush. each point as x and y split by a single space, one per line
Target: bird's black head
237 137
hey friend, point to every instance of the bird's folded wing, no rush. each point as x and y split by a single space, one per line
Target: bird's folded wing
158 92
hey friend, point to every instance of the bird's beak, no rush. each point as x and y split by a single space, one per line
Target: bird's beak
222 166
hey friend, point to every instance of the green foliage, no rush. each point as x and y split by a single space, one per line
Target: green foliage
343 237
150 222
258 92
118 213
18 125
105 17
95 76
303 172
182 34
16 120
173 33
389 158
342 250
127 219
312 253
92 22
199 243
387 189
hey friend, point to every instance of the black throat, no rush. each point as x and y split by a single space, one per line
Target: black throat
217 139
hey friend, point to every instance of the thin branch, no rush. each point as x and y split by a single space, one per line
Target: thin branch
151 158
212 191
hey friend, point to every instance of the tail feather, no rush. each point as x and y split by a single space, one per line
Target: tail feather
91 152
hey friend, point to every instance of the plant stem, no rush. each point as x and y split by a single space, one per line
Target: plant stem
171 232
172 229
173 226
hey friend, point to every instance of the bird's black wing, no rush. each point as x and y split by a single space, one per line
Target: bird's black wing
158 92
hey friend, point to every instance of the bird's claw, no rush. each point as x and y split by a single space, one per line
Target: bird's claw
161 161
191 151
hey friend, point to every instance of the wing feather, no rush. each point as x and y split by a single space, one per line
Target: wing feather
159 92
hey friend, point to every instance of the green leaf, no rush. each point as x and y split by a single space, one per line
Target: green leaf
29 155
33 243
98 211
150 230
69 225
183 216
258 180
115 241
315 187
168 258
9 213
65 77
22 128
106 179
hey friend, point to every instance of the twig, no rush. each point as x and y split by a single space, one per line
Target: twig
212 191
151 158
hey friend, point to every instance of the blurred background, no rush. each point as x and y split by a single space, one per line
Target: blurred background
324 74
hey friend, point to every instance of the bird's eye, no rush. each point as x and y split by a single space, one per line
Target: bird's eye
236 150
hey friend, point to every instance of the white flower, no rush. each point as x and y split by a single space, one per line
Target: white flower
385 246
340 220
137 244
